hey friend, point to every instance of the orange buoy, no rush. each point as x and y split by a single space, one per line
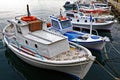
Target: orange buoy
62 18
29 18
48 24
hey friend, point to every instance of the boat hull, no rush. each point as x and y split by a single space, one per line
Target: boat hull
94 45
96 26
78 69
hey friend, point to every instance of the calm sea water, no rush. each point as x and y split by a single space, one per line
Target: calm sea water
13 68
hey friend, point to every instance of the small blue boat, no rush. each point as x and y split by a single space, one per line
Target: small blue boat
64 26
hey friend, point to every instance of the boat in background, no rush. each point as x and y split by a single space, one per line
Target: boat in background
29 39
94 7
64 26
79 19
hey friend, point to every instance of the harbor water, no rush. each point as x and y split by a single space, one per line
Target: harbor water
106 66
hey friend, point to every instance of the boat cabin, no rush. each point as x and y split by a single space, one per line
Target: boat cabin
77 17
27 27
32 35
61 25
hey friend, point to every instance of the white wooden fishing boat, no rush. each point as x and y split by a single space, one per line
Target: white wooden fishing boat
63 25
94 7
81 20
27 37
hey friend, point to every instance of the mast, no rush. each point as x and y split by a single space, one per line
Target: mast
91 24
28 11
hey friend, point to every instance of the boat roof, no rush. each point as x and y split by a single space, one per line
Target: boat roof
45 37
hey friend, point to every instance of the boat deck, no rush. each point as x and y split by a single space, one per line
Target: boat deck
72 54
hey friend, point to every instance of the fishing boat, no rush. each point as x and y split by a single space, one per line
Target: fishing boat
94 7
28 37
64 26
81 20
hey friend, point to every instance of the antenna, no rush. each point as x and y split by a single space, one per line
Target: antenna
60 12
28 11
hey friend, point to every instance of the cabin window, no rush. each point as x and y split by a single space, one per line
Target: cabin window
36 46
70 15
78 20
66 24
92 20
85 20
81 14
55 24
26 41
74 7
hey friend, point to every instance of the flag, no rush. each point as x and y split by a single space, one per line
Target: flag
90 18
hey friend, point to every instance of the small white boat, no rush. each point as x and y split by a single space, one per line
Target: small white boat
63 25
94 7
27 37
81 20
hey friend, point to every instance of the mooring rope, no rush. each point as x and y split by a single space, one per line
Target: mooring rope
108 59
116 78
112 69
115 48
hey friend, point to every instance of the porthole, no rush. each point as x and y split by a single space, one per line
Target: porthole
36 46
26 41
85 20
78 20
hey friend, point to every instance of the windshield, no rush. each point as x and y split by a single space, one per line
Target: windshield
55 24
65 24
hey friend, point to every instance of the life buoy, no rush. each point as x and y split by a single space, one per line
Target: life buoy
48 24
29 18
62 18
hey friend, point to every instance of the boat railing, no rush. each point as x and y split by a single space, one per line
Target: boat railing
16 43
16 18
96 31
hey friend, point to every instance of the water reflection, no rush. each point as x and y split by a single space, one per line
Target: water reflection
105 33
29 72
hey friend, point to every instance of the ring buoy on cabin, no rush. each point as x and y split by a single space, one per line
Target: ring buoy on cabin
62 18
48 24
29 18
